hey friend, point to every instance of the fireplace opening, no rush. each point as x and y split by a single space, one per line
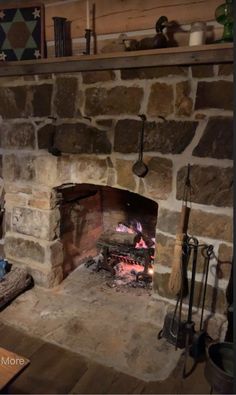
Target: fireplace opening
108 229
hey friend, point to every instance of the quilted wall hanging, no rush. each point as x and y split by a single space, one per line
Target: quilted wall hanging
22 33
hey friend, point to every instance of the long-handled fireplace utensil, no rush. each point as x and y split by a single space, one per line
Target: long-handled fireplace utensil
174 329
139 168
175 280
189 327
198 347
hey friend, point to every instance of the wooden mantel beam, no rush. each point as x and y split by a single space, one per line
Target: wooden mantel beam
205 54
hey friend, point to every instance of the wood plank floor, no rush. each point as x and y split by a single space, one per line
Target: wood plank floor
56 370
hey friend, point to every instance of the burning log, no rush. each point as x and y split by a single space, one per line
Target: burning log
119 238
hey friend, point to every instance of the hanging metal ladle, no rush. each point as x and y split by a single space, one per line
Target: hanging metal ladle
139 168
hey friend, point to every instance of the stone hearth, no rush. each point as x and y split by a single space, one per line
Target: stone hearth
92 118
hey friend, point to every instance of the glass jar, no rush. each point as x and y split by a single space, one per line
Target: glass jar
197 33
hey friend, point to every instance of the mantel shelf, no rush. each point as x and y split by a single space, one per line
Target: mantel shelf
204 54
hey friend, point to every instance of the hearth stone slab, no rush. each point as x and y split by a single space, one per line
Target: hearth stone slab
115 327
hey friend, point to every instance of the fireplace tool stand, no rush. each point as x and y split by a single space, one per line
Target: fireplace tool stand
195 342
182 334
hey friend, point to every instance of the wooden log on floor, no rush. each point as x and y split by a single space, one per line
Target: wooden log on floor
12 284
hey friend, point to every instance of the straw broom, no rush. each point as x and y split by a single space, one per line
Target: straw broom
175 279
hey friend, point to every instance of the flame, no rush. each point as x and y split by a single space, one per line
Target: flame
141 244
132 227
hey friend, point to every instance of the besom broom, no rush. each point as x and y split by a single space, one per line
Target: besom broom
175 280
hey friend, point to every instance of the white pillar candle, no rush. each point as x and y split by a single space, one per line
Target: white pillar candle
197 33
196 38
87 15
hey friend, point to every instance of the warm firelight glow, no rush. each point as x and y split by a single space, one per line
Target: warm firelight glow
150 271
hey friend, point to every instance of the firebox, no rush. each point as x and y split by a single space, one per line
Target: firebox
108 229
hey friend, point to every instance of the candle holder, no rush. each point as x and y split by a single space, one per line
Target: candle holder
88 41
60 36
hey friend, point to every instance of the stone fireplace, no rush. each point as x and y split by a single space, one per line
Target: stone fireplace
68 143
93 218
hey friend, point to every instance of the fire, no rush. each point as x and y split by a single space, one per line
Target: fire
132 227
141 244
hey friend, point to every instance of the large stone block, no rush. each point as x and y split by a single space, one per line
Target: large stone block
13 102
169 137
88 170
0 165
18 248
90 77
80 138
153 72
165 249
114 101
214 226
64 169
20 135
226 69
125 176
217 139
37 223
160 285
46 135
158 181
46 170
183 101
214 94
47 278
127 135
18 188
56 254
18 168
40 204
65 97
161 100
225 261
211 185
43 199
168 220
42 97
202 70
13 200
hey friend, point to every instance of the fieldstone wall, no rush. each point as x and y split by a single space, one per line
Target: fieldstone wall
92 118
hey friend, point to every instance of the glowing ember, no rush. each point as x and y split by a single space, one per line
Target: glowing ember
126 270
141 244
150 271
